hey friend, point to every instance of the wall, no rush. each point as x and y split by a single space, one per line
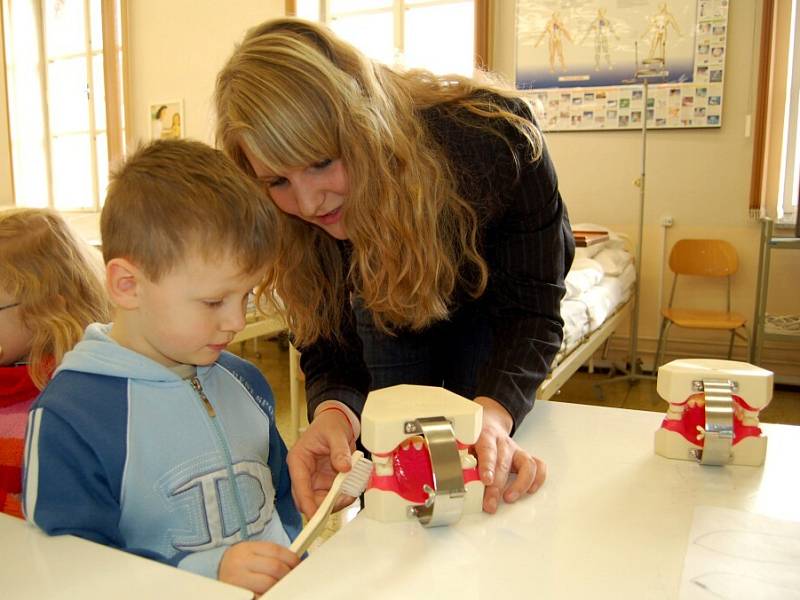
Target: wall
6 185
176 49
700 178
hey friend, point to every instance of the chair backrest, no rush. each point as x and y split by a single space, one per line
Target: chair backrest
707 258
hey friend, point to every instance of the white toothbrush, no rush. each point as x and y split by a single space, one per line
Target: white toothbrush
352 483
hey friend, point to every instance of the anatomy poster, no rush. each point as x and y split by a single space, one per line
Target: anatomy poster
578 60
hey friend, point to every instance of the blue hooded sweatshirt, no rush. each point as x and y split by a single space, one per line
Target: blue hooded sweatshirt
122 451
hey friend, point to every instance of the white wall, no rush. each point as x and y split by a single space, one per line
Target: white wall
176 49
6 186
701 178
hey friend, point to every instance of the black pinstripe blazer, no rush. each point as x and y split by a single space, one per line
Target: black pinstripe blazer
527 243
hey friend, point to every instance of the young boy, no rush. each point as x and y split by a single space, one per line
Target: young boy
150 438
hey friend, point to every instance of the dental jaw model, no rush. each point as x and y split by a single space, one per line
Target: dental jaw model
713 411
420 438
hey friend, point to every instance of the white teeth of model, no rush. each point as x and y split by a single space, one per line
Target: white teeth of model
750 419
417 442
383 465
696 402
675 412
467 460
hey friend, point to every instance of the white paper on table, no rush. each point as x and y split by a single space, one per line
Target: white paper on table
735 554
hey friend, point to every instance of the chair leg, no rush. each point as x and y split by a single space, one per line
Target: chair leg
730 345
662 342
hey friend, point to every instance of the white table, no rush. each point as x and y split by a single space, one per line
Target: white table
33 565
612 521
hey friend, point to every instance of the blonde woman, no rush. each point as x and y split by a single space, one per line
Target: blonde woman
423 239
50 290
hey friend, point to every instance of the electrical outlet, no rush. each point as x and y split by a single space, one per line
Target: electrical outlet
667 221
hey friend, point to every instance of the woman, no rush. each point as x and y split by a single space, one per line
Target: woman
423 239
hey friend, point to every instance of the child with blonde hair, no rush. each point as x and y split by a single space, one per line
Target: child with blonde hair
165 444
50 290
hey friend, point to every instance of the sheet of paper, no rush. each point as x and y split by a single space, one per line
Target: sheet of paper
734 554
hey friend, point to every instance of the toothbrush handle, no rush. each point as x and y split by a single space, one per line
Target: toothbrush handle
314 527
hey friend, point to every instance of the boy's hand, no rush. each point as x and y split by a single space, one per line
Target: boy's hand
499 455
322 451
256 565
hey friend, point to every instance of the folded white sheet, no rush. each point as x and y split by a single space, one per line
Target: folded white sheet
576 322
627 278
596 288
584 274
600 302
613 260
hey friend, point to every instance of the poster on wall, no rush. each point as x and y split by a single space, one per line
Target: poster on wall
577 60
166 120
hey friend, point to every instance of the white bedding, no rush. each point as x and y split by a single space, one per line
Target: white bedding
613 260
599 282
583 276
576 323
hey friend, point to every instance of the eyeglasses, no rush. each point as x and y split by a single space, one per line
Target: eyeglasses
12 305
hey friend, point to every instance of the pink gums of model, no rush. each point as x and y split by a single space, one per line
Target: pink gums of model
411 470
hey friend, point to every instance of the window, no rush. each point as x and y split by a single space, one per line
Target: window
64 99
438 35
790 148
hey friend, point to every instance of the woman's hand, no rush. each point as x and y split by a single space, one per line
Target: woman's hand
499 455
322 451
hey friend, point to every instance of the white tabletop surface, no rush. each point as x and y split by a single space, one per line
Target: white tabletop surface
612 521
33 565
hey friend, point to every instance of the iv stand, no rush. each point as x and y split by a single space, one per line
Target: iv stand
652 68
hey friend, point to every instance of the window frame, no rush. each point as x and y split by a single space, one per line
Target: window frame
789 182
48 93
112 35
481 59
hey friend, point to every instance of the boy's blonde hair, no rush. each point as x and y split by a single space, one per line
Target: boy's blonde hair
56 280
294 94
173 197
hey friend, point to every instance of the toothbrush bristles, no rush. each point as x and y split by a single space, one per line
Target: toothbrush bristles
358 477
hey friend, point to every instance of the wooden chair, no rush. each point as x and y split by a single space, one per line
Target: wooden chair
701 258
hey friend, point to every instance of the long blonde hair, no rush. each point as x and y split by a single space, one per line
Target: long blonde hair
294 94
56 280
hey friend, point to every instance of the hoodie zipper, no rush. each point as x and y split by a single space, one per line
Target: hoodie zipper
212 414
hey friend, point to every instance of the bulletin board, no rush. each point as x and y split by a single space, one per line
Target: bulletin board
576 60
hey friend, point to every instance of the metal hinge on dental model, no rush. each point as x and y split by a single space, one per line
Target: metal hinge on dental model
445 501
718 433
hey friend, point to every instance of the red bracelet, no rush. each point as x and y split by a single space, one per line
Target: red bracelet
352 430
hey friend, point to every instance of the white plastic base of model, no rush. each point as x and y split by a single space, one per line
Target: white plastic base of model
389 507
675 379
387 410
749 452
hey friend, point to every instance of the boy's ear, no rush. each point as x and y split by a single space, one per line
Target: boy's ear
123 280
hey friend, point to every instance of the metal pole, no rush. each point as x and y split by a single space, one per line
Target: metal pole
652 69
634 339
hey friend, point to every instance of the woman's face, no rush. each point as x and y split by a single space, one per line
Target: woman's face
316 193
